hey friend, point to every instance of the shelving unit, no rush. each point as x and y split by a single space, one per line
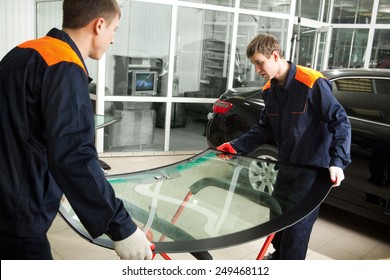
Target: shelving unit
214 61
216 51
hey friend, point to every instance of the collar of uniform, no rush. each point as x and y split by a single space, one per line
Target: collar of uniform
63 36
290 76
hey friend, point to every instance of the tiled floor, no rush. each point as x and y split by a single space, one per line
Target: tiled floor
336 235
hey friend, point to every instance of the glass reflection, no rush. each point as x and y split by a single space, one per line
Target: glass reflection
282 6
136 129
188 121
248 27
292 184
137 61
383 12
380 54
348 48
314 9
352 11
203 49
227 3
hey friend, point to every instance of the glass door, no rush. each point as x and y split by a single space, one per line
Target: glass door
321 53
310 48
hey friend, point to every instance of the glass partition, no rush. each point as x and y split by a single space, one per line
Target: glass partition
137 68
227 3
281 6
136 128
383 12
203 44
136 64
248 27
311 47
352 11
348 48
203 50
188 121
314 9
306 46
380 53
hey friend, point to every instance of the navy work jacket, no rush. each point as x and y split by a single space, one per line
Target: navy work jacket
47 143
308 124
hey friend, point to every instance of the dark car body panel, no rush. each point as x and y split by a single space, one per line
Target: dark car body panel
365 95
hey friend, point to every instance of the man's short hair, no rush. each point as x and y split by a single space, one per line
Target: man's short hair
78 13
264 44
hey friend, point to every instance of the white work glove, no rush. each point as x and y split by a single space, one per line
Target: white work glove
134 247
336 175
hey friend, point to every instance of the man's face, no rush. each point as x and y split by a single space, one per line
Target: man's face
265 67
104 39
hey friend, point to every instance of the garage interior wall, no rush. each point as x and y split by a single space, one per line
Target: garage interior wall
17 21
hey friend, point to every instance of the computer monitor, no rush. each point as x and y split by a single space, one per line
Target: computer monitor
142 82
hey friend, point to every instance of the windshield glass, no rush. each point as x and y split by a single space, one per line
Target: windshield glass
214 200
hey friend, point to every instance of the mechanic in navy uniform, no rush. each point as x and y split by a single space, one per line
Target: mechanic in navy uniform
47 138
307 123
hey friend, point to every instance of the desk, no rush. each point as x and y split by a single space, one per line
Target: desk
207 202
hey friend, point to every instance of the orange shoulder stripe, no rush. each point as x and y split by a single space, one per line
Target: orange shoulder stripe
307 76
267 85
54 51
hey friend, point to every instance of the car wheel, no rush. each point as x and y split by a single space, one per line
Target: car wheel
262 174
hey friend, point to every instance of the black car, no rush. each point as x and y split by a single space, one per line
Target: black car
365 95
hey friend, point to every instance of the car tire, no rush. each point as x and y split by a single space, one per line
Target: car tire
262 174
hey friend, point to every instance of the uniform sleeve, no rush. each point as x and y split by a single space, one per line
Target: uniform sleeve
259 134
339 126
73 161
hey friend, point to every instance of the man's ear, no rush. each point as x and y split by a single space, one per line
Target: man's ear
98 25
275 55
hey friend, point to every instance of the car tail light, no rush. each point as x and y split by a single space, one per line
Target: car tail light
222 107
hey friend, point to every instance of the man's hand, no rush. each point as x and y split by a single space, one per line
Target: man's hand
134 247
228 148
336 175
